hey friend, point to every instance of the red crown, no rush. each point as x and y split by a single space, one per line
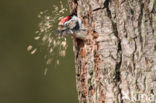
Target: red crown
64 20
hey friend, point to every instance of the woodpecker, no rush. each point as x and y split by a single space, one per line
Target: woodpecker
71 25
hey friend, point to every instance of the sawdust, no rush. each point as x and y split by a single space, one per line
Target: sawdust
56 46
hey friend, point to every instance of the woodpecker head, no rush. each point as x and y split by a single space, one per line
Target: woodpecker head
69 23
65 19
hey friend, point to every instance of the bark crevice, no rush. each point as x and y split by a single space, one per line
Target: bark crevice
121 60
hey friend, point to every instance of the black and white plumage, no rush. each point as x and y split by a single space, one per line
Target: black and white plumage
71 25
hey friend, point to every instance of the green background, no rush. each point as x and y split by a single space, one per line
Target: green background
21 74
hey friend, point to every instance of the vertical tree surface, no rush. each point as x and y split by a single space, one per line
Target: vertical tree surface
117 61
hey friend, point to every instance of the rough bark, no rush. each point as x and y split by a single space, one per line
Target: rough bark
118 66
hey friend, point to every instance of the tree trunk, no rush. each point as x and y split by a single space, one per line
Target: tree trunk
118 66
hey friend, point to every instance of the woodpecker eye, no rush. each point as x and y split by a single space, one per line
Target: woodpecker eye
64 20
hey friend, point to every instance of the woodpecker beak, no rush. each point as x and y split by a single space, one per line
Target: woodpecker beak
61 27
56 32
